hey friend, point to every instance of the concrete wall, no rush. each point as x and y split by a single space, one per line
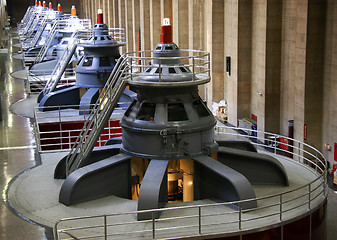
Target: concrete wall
282 56
329 126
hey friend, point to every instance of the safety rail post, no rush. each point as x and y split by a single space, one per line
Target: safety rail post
105 228
199 219
60 124
275 148
240 216
325 182
193 66
153 225
159 69
309 198
131 69
281 202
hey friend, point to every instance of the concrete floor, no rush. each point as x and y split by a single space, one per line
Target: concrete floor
17 153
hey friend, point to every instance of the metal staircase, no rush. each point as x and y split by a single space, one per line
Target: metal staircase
26 16
61 65
57 27
28 21
99 117
24 30
42 53
39 19
37 35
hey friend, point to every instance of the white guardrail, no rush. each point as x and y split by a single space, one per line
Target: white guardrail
63 139
37 79
217 218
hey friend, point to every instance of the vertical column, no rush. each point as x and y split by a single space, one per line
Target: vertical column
109 12
195 23
252 84
300 62
121 21
85 8
287 98
166 9
135 23
145 24
273 66
263 100
314 72
115 13
105 8
128 25
92 12
196 31
180 23
237 46
121 13
230 50
155 23
250 35
214 43
330 81
88 9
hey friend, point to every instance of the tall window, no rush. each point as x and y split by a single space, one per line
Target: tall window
176 112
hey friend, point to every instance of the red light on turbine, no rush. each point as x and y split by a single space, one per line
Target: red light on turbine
166 31
99 16
73 11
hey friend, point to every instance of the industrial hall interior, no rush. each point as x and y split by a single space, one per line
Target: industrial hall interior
168 119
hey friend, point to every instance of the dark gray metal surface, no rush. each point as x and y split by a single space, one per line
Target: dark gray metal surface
88 98
173 122
111 176
237 144
258 168
98 154
153 191
69 95
214 180
43 68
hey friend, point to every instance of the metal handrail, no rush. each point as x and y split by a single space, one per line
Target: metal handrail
33 40
97 120
197 61
57 27
275 136
61 65
128 70
314 192
63 114
40 17
26 16
117 34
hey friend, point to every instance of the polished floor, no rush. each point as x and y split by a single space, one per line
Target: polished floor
17 153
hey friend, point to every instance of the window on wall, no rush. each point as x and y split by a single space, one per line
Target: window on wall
176 112
146 111
168 48
104 62
87 62
184 70
172 70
